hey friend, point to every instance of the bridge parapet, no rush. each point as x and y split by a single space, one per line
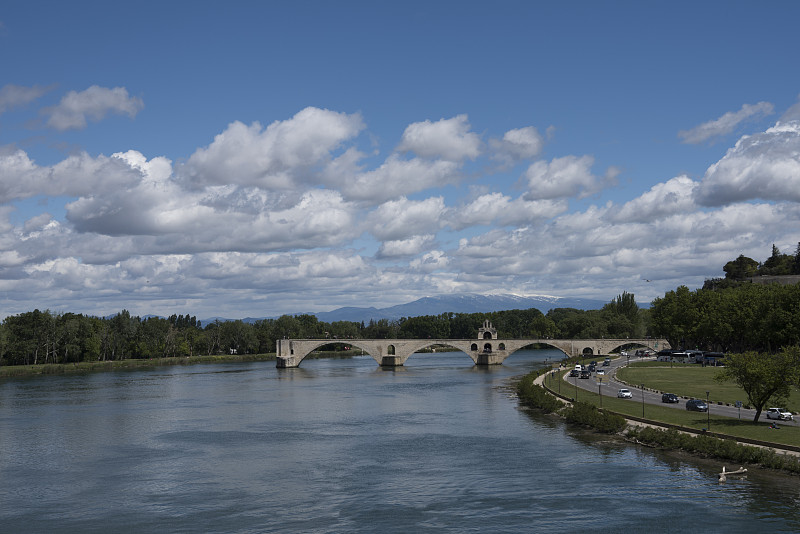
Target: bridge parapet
395 352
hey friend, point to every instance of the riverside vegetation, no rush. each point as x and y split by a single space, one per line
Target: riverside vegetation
534 396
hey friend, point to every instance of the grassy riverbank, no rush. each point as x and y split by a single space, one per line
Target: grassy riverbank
602 420
744 428
14 371
691 381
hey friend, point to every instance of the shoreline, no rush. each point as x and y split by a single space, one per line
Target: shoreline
641 423
60 369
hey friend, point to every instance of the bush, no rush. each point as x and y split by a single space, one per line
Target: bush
587 414
535 396
716 448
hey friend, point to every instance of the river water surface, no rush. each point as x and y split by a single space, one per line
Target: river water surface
342 445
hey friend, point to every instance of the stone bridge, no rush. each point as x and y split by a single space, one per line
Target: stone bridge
483 351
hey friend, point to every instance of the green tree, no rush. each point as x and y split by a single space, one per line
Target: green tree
238 337
543 327
624 304
675 317
765 378
796 265
777 264
741 268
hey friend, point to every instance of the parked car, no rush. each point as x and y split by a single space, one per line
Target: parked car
669 397
586 374
624 394
696 405
780 413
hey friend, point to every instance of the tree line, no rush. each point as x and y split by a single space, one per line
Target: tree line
41 337
734 319
732 314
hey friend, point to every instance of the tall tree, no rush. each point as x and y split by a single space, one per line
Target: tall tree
796 266
777 264
765 378
741 268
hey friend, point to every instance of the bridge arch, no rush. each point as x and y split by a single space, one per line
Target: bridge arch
298 349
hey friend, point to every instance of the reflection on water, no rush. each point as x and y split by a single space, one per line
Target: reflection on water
343 445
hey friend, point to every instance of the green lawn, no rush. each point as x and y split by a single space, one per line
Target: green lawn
726 425
688 380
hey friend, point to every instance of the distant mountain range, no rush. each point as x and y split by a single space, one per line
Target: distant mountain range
463 303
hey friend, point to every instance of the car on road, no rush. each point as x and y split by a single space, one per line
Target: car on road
624 394
606 362
601 372
574 372
696 405
586 374
669 397
780 413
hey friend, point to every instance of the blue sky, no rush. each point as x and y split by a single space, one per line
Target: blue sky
259 158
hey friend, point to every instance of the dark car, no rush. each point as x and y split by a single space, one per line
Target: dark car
586 374
574 372
696 405
669 397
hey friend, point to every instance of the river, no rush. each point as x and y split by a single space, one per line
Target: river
344 446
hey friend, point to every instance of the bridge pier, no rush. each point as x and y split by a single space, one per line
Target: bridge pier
392 361
287 362
491 358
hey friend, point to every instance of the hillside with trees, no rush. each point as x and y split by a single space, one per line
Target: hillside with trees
744 269
732 314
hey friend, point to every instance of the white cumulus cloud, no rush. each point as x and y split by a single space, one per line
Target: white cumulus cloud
675 196
402 218
448 139
502 210
405 247
570 176
396 177
78 174
93 104
761 166
518 144
276 157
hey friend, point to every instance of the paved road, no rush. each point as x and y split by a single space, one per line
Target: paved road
610 386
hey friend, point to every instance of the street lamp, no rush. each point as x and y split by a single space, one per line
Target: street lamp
642 401
599 392
576 389
708 412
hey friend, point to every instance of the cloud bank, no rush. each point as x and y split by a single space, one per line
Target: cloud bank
295 216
